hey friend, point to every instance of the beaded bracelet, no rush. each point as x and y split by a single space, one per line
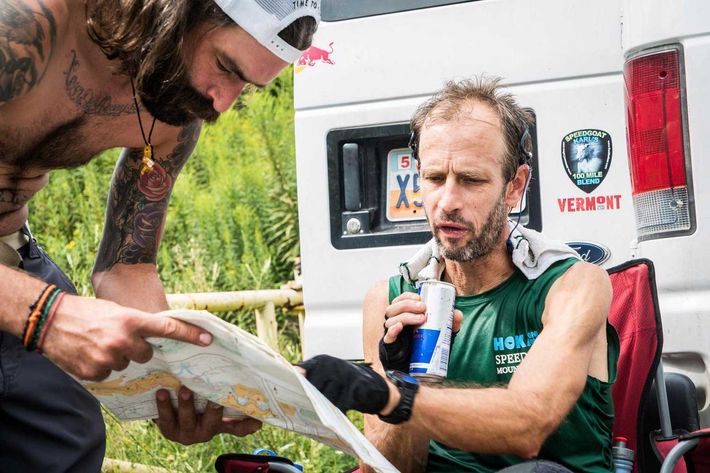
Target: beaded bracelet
50 317
34 339
35 313
32 308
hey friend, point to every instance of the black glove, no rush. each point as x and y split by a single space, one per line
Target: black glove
396 355
347 385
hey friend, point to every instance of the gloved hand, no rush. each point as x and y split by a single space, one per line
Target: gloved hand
396 355
347 385
402 316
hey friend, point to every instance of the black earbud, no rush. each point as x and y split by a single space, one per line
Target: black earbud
525 158
524 154
413 145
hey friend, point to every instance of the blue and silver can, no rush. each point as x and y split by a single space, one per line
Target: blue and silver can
432 340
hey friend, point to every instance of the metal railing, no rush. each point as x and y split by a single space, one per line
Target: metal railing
263 302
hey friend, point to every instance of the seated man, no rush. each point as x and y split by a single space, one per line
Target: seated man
506 399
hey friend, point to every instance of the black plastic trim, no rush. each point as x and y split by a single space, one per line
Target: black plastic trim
372 142
338 10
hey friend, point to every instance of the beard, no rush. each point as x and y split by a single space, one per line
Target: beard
173 100
481 243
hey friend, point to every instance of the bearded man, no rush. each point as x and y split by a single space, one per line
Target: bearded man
78 77
532 364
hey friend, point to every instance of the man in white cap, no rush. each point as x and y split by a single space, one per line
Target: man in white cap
78 77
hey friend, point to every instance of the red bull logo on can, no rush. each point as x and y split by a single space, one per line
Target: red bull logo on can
431 341
313 56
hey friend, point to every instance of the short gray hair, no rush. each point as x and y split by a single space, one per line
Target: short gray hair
450 102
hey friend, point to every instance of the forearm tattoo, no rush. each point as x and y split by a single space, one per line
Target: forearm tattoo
137 204
28 35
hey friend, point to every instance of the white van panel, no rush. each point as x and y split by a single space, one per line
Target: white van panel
565 106
650 22
413 53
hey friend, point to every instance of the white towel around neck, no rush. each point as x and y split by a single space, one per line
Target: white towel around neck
532 255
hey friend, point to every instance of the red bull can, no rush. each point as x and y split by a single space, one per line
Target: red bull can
432 340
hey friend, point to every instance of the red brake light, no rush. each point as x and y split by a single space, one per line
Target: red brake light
655 124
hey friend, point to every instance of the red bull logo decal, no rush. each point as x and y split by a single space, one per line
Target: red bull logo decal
313 56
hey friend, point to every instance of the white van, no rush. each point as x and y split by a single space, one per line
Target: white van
581 68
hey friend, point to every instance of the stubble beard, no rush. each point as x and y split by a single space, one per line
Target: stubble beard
482 243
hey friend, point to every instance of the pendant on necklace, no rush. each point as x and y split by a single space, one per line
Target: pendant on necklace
147 162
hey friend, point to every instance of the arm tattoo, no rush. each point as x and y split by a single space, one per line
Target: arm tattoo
138 203
28 33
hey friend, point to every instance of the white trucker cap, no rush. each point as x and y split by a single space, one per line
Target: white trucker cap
265 19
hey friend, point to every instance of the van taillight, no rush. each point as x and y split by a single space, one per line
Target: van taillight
656 144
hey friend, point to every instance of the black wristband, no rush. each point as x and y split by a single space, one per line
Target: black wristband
408 387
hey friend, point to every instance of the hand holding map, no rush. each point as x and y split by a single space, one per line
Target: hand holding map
241 373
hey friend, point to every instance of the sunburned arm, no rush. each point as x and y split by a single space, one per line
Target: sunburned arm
548 382
88 337
18 291
404 447
125 269
28 35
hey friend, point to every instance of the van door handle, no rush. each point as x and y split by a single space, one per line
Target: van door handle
351 176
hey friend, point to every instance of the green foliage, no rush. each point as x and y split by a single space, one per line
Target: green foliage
141 442
232 225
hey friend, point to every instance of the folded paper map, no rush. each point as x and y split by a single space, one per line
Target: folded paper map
241 373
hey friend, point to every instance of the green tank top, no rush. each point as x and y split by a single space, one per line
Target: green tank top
487 351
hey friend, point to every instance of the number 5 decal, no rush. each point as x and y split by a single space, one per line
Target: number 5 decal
405 162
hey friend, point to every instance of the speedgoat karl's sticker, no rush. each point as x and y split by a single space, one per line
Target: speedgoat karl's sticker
586 156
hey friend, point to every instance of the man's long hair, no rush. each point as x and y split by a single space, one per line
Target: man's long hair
144 35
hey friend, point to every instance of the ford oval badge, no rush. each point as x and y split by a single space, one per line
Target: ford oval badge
590 252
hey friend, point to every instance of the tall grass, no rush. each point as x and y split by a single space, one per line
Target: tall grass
232 225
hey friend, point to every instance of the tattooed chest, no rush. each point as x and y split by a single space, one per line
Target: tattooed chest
66 119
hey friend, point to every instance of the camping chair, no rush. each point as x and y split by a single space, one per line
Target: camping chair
642 393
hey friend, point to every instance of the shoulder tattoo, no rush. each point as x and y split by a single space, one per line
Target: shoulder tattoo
138 203
28 35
